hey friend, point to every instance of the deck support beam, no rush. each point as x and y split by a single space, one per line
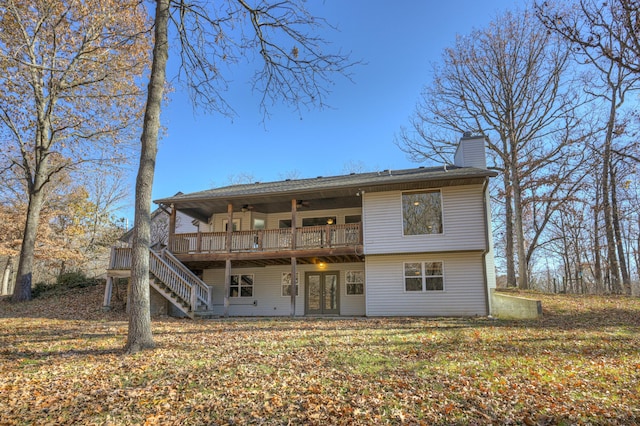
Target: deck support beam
294 286
108 290
172 226
227 266
294 208
227 286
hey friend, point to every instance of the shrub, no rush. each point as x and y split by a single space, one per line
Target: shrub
39 289
74 279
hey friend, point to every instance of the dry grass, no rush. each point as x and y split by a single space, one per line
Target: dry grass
61 363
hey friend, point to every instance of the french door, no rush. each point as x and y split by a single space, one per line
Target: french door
322 293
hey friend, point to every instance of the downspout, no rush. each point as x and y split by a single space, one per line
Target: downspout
485 185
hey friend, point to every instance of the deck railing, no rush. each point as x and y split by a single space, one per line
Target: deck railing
176 276
307 237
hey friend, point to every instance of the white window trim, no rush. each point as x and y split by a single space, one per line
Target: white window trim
441 213
423 278
282 285
346 284
240 286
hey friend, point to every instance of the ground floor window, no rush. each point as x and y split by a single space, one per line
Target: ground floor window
423 276
355 282
241 286
286 283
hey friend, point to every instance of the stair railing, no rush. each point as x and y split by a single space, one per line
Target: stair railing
202 291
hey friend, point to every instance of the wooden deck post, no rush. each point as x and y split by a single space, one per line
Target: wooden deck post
227 265
293 259
227 286
294 286
108 289
209 298
172 227
194 298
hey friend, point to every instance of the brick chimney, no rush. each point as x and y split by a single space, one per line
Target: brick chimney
471 151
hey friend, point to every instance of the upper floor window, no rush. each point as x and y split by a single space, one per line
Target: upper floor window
355 218
235 222
422 212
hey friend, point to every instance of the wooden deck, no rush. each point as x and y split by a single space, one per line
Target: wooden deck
327 243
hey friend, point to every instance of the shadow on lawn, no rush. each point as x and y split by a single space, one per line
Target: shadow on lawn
68 353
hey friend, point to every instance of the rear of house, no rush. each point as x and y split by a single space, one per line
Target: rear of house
389 243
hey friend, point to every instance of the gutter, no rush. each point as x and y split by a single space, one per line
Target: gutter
485 185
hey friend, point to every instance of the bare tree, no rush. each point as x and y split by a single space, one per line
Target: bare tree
512 82
609 29
294 69
68 94
605 39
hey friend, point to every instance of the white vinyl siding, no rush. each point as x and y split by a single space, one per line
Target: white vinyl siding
462 217
464 291
267 291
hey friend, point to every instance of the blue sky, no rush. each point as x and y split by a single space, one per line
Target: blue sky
397 40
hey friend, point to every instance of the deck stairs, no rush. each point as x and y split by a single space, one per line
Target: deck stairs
177 283
172 279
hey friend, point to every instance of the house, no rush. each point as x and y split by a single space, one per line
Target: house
414 242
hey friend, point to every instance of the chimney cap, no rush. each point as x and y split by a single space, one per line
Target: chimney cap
466 134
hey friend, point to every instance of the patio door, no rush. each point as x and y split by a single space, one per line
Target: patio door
322 293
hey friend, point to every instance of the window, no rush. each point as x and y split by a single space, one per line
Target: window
258 223
355 282
317 221
286 283
422 213
356 218
236 225
241 286
423 276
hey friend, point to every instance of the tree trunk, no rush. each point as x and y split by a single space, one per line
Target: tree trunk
139 334
617 231
24 276
614 270
6 277
523 273
597 267
508 250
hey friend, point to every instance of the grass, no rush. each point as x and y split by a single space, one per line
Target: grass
61 363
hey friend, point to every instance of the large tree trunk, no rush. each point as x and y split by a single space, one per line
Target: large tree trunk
614 269
139 334
597 267
22 287
523 271
508 223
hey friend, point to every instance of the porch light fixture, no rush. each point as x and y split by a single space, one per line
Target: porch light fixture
330 221
322 265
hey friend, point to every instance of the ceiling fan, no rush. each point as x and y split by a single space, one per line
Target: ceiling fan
302 203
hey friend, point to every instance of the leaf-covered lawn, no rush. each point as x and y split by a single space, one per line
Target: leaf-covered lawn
61 363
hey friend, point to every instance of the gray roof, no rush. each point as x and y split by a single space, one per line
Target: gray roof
203 203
